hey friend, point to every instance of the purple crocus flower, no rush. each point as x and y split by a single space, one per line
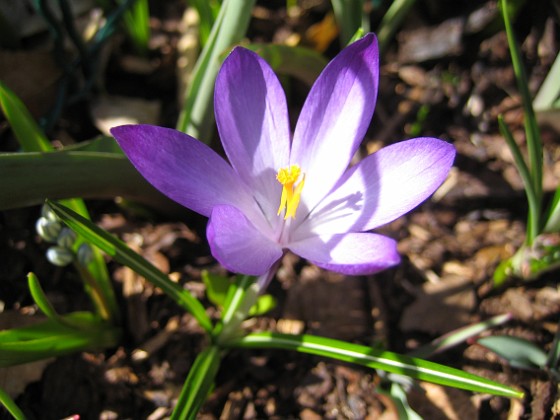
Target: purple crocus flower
279 192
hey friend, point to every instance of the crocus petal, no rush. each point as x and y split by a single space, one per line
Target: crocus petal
183 168
252 119
382 187
335 117
238 245
352 253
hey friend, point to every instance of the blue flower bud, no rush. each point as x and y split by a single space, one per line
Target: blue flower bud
48 229
59 256
48 213
84 254
66 238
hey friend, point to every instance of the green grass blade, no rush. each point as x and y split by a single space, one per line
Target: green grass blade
198 384
26 130
137 23
534 142
459 336
377 359
533 199
124 255
80 331
197 117
56 345
41 299
348 14
391 21
207 12
11 406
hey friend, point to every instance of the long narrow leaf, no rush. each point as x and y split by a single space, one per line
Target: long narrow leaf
459 336
80 331
517 351
41 300
392 20
552 220
534 142
26 130
33 177
377 359
549 91
11 406
242 295
137 23
124 255
348 15
198 384
532 195
207 11
196 117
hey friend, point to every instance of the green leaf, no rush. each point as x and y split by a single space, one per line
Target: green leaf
459 336
137 23
349 17
503 272
391 21
533 198
517 351
549 91
124 255
242 296
300 62
26 130
207 12
41 299
376 359
198 385
79 331
264 304
217 287
532 133
64 174
399 397
11 406
197 117
552 223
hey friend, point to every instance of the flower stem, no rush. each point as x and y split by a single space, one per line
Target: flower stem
242 296
95 292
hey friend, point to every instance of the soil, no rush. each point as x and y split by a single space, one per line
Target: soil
447 73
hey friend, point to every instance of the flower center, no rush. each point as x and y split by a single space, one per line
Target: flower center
291 194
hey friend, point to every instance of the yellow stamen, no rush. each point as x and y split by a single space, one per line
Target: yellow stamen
289 200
